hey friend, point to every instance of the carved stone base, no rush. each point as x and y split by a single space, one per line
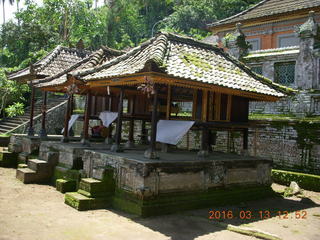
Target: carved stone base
151 154
64 139
203 153
116 148
43 133
245 152
85 142
129 144
164 147
108 141
30 131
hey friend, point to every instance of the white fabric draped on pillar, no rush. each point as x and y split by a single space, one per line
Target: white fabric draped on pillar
108 117
171 131
72 121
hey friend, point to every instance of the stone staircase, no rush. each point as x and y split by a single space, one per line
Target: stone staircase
92 194
38 170
10 124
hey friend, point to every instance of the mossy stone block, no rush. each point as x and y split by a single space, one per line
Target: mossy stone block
63 185
77 201
82 203
92 188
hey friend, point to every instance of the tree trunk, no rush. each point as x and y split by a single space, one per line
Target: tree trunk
4 14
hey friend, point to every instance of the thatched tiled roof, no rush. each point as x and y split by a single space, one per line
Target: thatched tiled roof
269 8
185 58
56 61
97 58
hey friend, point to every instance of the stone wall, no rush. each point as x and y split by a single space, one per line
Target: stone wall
54 121
291 145
304 103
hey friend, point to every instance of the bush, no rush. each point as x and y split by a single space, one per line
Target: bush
305 181
15 109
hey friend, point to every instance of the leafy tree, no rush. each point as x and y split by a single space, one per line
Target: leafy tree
11 95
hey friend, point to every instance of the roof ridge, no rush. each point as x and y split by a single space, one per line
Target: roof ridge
48 79
116 59
260 78
238 14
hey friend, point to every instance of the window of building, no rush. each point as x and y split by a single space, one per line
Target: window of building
284 73
255 44
287 40
257 69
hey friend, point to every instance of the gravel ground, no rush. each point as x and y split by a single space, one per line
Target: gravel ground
38 212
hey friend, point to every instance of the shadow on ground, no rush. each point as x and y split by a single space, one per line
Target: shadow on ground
189 225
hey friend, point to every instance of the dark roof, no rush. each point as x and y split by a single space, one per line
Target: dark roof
99 57
56 61
269 8
183 57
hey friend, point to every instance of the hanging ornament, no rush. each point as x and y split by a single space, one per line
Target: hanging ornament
72 89
147 87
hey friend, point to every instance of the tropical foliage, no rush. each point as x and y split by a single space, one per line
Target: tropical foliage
118 24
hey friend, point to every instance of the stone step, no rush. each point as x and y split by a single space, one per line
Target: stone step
64 185
91 187
82 203
23 157
27 175
9 124
22 165
38 165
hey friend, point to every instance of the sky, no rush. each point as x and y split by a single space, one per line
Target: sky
11 9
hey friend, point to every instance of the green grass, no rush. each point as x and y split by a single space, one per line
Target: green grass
305 181
283 117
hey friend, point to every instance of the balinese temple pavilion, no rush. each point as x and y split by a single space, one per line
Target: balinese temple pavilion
175 84
165 70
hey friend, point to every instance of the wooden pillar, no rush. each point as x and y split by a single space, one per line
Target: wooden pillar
31 129
108 102
116 146
169 102
85 139
43 131
67 115
143 139
151 152
130 143
204 148
245 141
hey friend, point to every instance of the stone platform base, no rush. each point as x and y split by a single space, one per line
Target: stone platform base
170 203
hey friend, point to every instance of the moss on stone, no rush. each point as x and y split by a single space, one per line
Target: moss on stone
170 203
63 185
305 181
191 58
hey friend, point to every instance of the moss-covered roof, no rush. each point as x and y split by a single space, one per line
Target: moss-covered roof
268 8
56 61
185 58
99 57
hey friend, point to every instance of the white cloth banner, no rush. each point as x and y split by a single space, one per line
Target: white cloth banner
72 120
171 131
108 117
